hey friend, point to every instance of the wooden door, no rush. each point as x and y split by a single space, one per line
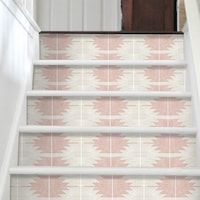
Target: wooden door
149 15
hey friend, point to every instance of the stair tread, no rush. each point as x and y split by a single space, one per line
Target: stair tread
148 130
180 63
105 171
107 93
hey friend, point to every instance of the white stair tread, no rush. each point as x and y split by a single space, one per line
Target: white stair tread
128 130
177 63
35 93
105 171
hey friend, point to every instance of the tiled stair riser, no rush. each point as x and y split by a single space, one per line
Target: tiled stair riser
106 150
110 111
111 47
104 188
109 78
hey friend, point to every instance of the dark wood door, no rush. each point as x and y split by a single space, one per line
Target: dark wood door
149 15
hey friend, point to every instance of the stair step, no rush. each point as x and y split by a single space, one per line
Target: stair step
127 130
46 93
135 63
105 171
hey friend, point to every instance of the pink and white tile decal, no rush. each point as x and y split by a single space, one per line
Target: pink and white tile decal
104 188
106 150
107 111
109 78
111 47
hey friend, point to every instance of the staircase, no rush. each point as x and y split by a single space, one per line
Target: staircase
110 117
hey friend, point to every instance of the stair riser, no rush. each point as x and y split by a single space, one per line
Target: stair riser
113 111
103 187
109 78
111 47
105 150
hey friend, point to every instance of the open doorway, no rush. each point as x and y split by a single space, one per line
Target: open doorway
149 15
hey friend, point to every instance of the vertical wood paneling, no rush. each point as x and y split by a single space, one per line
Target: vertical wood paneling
43 14
76 15
111 15
79 15
60 17
92 15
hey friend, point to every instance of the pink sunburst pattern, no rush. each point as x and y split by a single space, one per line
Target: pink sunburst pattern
41 185
111 47
55 46
180 188
56 77
104 187
116 187
159 47
115 42
170 150
48 143
159 78
168 106
48 46
110 147
101 42
51 148
110 110
169 111
50 110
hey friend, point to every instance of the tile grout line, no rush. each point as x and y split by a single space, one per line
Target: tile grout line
80 182
51 129
57 80
112 188
139 124
144 187
110 99
133 84
49 187
168 125
81 137
175 187
159 47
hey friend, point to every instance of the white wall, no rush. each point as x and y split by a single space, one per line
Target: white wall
18 37
27 4
79 15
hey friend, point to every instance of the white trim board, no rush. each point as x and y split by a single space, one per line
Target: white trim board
105 171
135 63
57 93
28 16
111 130
23 17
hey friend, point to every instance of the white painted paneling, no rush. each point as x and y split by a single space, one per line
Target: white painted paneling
60 12
93 12
193 57
76 15
79 15
111 15
17 41
44 14
26 4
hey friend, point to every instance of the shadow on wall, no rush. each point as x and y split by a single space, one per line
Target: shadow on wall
182 14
